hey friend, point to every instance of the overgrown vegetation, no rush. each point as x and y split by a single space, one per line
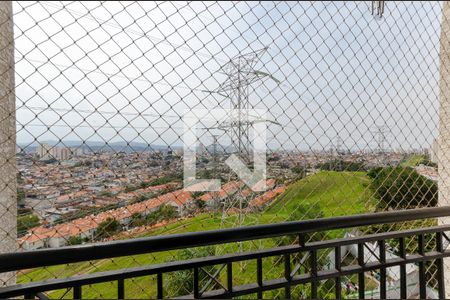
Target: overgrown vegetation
402 187
26 222
300 171
107 228
427 162
20 196
162 213
154 182
161 180
74 240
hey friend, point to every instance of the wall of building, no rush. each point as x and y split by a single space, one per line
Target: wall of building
444 125
8 203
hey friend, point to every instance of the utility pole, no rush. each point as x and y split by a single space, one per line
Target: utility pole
8 170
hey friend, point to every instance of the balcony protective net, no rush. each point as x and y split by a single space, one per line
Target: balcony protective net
347 94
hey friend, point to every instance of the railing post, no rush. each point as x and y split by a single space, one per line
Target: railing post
8 203
444 124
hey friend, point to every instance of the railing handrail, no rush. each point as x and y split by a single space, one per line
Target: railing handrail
111 275
79 253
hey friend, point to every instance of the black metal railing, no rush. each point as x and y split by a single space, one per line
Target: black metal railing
292 277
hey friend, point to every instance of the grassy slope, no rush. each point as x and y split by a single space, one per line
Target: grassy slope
412 161
336 193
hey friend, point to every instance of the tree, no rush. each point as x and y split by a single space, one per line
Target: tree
403 187
108 228
206 174
26 222
373 173
20 196
137 220
300 171
164 212
428 162
199 203
75 240
20 179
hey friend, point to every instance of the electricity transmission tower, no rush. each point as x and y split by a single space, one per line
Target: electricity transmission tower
380 135
339 152
339 143
240 75
215 161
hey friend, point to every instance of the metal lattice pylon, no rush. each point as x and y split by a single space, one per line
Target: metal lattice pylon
241 74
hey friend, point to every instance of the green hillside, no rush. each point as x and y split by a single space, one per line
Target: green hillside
413 160
337 193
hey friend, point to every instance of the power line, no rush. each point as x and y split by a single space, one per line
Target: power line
101 126
132 31
42 108
131 79
108 126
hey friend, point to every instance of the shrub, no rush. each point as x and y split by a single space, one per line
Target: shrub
26 222
427 162
301 171
373 173
164 212
403 187
108 228
137 220
74 240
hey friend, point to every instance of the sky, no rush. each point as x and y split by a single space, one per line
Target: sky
126 71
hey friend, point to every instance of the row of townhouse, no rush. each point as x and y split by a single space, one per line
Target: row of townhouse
128 196
182 200
266 198
58 236
213 199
